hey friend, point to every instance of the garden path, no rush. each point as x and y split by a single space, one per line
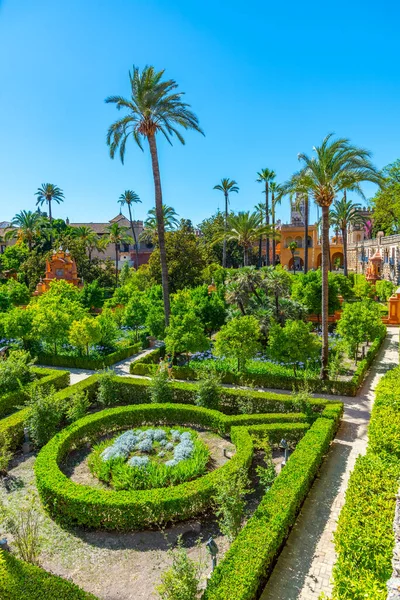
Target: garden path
304 568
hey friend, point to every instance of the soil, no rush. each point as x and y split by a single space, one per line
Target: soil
120 566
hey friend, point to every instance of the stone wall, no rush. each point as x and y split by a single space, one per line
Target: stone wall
358 255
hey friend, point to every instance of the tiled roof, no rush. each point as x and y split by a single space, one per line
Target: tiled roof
102 227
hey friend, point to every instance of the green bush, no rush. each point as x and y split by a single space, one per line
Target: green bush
72 504
253 552
364 538
160 388
107 394
209 392
15 371
19 579
45 413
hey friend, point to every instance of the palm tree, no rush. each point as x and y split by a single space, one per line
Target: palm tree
49 193
245 228
117 234
266 176
293 248
129 197
260 209
155 106
89 238
25 226
226 187
150 225
276 197
337 166
343 214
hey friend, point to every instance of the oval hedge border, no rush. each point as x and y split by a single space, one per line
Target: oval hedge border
80 505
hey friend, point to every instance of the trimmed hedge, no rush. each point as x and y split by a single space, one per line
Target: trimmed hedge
246 564
84 362
73 504
283 382
364 538
20 580
12 400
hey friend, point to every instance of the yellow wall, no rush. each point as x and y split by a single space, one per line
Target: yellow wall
294 233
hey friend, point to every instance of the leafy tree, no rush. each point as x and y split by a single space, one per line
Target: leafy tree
155 320
149 234
239 339
18 324
181 581
89 239
13 257
343 214
211 229
108 328
155 106
159 389
5 302
210 308
18 293
48 193
92 295
384 289
360 322
230 503
344 285
307 289
226 186
44 416
129 198
136 311
362 288
117 235
266 176
293 344
337 166
386 202
185 334
125 273
84 333
186 259
208 392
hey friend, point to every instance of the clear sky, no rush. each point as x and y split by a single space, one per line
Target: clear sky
266 79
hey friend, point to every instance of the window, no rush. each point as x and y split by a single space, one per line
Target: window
288 241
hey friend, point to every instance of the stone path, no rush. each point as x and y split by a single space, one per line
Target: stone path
304 567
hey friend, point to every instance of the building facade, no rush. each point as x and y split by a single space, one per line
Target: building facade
360 253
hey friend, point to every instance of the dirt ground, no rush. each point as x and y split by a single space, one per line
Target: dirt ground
119 566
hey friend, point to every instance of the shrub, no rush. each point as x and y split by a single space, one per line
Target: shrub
5 452
159 388
78 406
45 415
107 394
182 580
209 392
24 527
15 370
229 503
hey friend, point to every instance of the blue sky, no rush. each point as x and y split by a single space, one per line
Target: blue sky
267 80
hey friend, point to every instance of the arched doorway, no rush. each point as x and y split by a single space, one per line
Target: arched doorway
337 260
298 261
319 260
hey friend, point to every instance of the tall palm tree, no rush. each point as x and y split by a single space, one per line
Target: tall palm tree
48 193
155 106
260 209
337 166
266 176
25 226
89 238
150 225
345 213
226 187
276 197
129 197
117 234
245 228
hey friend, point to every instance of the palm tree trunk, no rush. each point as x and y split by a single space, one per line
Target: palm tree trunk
344 236
325 291
134 237
267 221
245 256
259 251
116 265
225 228
294 264
273 235
160 225
306 234
51 221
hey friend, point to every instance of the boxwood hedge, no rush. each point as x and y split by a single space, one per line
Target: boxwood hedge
284 382
73 504
12 400
364 538
84 362
245 566
20 580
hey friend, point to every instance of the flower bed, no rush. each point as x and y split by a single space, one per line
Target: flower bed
364 539
72 504
150 458
84 362
277 377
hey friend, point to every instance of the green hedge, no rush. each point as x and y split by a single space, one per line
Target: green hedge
20 580
12 400
364 538
284 382
72 504
246 564
84 362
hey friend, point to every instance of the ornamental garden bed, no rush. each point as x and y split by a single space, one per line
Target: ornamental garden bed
88 362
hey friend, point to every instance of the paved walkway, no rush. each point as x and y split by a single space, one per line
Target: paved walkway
304 567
